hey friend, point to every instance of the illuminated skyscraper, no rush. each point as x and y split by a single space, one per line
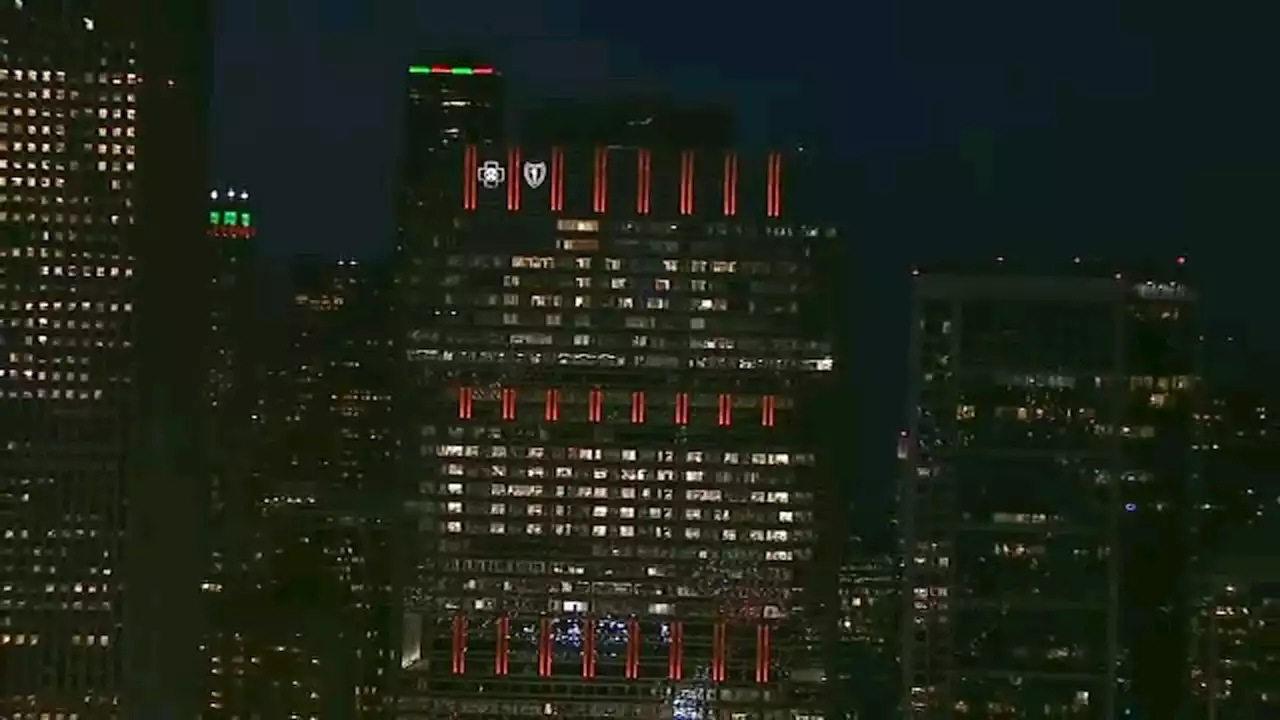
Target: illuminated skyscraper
1047 503
101 181
619 365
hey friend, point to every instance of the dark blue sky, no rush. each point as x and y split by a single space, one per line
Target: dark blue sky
1089 126
1107 128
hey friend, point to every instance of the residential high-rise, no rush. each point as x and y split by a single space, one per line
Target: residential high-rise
102 143
619 369
1046 508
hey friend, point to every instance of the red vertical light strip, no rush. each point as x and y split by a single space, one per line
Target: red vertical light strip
682 408
768 405
465 399
638 411
552 410
644 185
632 669
513 179
773 186
508 404
675 652
589 648
557 179
595 406
764 642
600 181
719 650
545 645
726 410
730 184
502 655
459 644
469 179
686 182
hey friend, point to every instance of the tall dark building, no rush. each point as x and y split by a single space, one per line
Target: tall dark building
102 142
236 421
305 628
460 101
618 367
1242 461
1047 504
638 122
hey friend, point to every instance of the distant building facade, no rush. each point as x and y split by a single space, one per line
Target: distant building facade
1047 506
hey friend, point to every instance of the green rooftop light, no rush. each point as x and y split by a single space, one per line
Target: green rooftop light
449 70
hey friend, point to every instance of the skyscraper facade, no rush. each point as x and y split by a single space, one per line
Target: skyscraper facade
1046 503
618 364
98 111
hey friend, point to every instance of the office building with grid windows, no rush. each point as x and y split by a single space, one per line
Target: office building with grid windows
618 364
101 187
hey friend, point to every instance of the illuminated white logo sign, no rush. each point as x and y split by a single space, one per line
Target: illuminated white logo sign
491 174
535 173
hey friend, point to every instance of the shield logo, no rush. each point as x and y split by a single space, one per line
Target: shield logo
535 173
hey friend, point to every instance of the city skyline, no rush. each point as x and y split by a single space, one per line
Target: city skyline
376 362
1020 146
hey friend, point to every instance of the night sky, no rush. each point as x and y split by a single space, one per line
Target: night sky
1108 128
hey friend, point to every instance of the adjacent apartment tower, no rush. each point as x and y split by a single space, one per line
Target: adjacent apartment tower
101 185
1046 505
616 364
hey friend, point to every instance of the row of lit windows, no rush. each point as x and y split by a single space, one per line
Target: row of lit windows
508 359
42 375
604 473
56 130
547 262
626 454
47 76
614 302
625 512
779 497
636 341
626 531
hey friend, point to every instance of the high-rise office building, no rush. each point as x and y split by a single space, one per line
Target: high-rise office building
1047 500
458 101
101 177
619 365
